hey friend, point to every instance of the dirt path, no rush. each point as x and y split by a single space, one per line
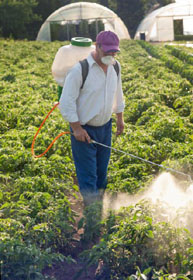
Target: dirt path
69 272
66 271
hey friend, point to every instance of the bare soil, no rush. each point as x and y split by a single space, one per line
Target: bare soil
66 271
69 272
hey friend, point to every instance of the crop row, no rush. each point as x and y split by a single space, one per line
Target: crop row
181 54
178 66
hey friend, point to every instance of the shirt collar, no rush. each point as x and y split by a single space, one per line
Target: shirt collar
90 60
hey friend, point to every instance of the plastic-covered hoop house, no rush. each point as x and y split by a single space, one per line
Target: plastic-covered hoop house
171 22
68 20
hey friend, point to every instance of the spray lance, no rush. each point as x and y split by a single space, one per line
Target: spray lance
145 160
65 58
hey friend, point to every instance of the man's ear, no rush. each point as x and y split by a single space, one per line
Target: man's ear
97 46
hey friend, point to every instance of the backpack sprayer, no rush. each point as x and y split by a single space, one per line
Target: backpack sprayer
65 58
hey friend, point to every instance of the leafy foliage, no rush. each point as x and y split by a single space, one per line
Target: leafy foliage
37 223
36 215
133 239
16 16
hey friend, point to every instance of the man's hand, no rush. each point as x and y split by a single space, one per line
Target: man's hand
79 133
120 124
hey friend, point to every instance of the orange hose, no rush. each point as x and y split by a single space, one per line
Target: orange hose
34 139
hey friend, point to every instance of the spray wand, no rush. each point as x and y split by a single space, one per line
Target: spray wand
95 142
145 160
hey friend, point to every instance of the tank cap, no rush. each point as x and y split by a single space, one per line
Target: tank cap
81 42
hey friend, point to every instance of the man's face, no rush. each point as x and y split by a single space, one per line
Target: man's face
106 58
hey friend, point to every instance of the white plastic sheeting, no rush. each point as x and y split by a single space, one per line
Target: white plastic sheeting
159 25
87 11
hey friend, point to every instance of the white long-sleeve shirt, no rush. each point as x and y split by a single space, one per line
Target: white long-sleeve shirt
100 96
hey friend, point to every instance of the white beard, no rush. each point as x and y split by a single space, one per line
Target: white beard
108 60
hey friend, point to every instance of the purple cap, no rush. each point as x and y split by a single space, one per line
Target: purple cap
109 41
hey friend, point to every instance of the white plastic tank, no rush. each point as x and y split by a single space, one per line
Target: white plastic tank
67 56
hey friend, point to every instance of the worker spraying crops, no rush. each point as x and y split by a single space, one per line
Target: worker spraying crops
90 90
88 109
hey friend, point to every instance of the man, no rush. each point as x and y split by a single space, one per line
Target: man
88 110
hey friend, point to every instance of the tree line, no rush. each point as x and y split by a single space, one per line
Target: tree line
22 19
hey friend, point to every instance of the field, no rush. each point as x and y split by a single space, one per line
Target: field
42 230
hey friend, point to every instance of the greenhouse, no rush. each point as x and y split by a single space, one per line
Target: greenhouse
171 22
81 19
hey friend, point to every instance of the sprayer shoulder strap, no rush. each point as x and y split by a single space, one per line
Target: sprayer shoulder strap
85 68
116 67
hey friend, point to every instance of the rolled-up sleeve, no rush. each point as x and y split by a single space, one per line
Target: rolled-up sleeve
119 103
70 93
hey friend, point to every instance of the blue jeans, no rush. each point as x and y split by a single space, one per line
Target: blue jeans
91 160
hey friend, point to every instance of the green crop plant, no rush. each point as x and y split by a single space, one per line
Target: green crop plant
134 238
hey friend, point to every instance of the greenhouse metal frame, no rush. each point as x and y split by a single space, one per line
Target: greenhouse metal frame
83 11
